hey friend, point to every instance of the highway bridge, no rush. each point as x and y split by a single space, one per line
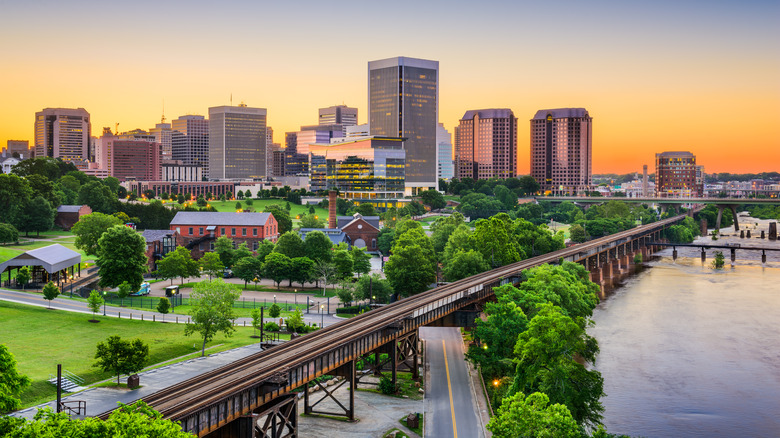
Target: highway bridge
721 203
254 397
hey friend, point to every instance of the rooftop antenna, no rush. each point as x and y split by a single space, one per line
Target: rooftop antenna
231 99
163 113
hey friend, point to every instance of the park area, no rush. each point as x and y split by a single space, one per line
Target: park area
40 339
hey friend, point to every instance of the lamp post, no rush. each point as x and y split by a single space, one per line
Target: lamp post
104 303
322 316
274 298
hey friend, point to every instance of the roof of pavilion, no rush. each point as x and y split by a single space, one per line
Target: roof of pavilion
52 258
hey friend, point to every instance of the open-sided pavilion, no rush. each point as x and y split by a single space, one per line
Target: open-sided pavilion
51 263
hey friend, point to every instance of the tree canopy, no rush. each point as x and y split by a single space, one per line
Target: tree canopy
12 383
121 257
89 228
121 356
213 311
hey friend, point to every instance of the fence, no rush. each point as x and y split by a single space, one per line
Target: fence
150 303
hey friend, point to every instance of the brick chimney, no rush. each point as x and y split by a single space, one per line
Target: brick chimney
332 209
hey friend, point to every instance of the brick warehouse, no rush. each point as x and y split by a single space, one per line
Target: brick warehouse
199 230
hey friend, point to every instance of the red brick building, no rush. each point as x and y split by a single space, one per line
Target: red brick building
136 159
67 215
158 244
198 230
361 231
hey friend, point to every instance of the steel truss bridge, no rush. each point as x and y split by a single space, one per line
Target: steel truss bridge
254 396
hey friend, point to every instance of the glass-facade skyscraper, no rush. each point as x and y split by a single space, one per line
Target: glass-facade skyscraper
63 133
403 101
237 142
190 141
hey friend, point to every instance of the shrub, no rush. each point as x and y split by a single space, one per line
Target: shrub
386 386
271 327
352 310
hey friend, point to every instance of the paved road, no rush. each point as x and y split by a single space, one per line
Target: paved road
450 403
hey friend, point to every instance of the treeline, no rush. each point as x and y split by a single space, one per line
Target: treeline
534 351
715 177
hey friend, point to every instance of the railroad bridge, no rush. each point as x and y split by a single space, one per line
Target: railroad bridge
254 397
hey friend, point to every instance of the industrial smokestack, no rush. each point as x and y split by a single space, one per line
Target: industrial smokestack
644 182
332 209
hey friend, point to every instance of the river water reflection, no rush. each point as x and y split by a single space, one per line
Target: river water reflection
689 351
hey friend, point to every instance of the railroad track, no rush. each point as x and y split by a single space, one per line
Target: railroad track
213 386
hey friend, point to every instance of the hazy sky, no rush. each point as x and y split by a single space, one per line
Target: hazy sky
702 76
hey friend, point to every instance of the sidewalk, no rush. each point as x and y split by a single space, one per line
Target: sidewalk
100 400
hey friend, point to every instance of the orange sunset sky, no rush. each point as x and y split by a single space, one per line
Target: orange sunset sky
665 75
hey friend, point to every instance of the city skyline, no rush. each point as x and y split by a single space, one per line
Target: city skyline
655 77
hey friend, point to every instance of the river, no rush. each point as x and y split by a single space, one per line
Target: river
688 351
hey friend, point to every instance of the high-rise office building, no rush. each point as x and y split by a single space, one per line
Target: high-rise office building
270 149
163 134
444 144
338 114
403 101
486 144
63 133
19 147
237 142
678 176
562 150
190 141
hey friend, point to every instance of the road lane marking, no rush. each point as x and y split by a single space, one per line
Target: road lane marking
449 387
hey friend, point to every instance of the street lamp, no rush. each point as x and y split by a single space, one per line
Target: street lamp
274 298
322 316
104 303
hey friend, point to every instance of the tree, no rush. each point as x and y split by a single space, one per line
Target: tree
277 267
180 198
211 264
274 311
11 382
549 355
15 192
301 270
433 199
241 252
8 233
178 263
567 286
37 215
89 228
98 197
507 197
121 257
213 312
295 321
493 237
290 244
94 301
123 291
343 263
23 276
238 205
366 209
317 246
465 264
312 221
533 416
224 247
497 336
43 187
257 321
717 263
120 356
346 292
373 287
410 269
248 269
528 185
361 261
385 240
326 272
128 421
164 306
577 233
282 217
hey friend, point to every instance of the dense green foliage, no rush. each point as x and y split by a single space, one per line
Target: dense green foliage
121 257
120 356
214 311
12 383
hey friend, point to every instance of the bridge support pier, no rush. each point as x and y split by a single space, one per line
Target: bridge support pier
278 421
403 354
595 275
348 372
703 255
606 271
733 255
733 209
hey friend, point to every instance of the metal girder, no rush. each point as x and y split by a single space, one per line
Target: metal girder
348 372
279 420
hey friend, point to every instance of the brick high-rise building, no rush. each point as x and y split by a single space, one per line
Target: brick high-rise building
677 175
562 150
403 101
63 133
486 144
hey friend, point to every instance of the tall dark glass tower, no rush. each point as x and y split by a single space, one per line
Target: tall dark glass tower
237 142
403 101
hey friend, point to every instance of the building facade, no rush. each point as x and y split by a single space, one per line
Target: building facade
19 147
63 133
403 102
135 159
562 150
199 230
678 176
368 168
237 142
172 171
486 144
163 134
338 115
190 189
190 141
445 166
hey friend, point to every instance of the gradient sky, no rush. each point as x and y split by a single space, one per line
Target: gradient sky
702 76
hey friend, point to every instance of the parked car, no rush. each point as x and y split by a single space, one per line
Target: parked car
227 273
144 290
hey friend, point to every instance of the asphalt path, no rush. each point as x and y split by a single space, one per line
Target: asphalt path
63 303
450 403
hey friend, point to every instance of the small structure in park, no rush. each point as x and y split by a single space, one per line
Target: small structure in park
50 263
68 215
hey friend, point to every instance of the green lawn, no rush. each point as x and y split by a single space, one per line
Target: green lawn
42 338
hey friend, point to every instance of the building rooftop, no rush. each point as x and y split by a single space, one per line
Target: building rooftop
220 218
561 113
493 113
156 235
69 208
335 235
343 221
52 258
675 154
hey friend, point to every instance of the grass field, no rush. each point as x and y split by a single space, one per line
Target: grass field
40 339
